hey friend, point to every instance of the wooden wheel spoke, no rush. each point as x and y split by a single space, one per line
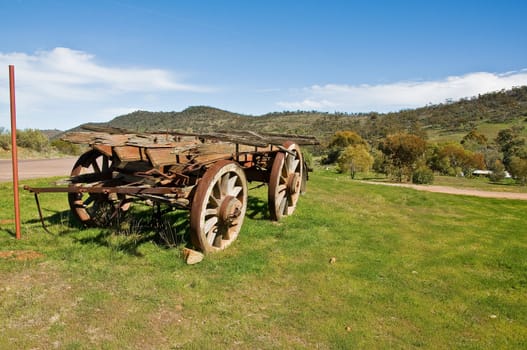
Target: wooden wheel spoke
212 236
211 211
210 225
88 201
215 198
216 192
95 165
231 185
284 171
236 191
283 205
289 163
294 166
105 164
280 197
224 184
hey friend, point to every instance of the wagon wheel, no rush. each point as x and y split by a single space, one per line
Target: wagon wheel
95 209
218 207
285 182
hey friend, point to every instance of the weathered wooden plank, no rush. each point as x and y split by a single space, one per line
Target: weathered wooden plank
104 149
95 138
129 153
174 138
212 157
161 156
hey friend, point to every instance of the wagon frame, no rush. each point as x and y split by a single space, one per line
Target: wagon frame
207 174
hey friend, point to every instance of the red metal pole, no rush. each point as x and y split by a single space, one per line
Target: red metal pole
14 155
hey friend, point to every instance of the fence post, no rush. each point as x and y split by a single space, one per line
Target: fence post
14 155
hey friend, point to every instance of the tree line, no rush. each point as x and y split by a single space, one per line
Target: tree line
37 141
404 156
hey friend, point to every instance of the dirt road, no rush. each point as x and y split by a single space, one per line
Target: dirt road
456 190
30 169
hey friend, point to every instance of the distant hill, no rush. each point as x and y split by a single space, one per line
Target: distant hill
51 133
450 119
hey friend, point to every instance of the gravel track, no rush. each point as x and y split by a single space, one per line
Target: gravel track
456 190
31 169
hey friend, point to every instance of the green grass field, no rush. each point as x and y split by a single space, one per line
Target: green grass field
411 270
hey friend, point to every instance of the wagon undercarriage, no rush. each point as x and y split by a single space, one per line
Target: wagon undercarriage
207 174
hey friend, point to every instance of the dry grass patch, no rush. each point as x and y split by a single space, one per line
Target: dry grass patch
20 255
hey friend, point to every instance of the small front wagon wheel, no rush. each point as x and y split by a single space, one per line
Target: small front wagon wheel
218 207
94 168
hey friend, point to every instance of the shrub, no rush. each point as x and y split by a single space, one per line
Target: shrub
32 139
5 142
498 171
423 175
66 147
5 139
355 158
402 151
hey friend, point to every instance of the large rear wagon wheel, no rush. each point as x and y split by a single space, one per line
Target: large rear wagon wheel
94 168
285 182
218 207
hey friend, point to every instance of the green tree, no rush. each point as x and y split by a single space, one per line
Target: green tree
518 169
511 144
355 158
402 151
452 159
343 139
339 141
474 141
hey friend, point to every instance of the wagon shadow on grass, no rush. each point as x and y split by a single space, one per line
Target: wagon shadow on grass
128 232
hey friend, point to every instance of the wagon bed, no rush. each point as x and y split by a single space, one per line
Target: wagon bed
206 174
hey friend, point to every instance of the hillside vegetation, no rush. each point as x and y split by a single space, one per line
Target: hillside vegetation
450 121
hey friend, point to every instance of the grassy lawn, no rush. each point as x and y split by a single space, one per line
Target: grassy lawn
411 270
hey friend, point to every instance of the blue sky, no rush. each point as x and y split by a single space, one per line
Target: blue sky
82 61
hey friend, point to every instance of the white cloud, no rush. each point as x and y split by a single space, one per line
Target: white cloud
308 104
400 95
62 88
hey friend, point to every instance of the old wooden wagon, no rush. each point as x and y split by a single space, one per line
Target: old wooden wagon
207 174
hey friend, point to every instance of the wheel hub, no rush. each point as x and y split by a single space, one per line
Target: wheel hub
230 209
293 183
